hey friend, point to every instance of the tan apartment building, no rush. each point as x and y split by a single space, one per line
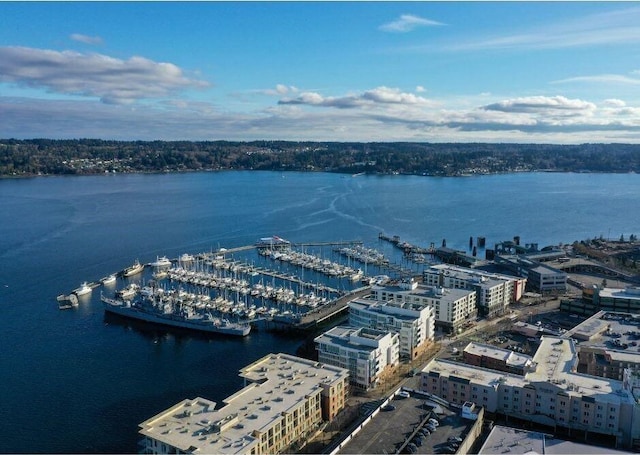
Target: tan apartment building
284 401
554 394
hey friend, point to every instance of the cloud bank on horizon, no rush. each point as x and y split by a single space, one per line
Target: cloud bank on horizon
444 73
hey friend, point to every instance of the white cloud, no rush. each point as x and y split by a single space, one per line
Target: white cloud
375 97
407 23
383 115
614 102
420 89
86 38
543 104
279 90
94 75
601 78
612 27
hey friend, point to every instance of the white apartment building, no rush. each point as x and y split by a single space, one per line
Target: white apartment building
284 401
366 353
414 323
453 308
554 394
495 292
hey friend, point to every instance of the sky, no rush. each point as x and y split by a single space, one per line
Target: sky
526 72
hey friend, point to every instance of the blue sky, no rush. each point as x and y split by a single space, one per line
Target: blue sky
548 72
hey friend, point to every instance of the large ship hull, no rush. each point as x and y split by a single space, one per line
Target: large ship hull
116 307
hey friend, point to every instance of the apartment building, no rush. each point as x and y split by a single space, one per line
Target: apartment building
453 308
609 343
414 323
487 356
368 354
284 401
554 394
494 292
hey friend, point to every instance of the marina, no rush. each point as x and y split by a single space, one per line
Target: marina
215 286
104 373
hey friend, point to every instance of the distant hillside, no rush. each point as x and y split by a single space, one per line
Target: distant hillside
90 156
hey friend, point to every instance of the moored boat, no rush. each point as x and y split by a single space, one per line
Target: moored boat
133 269
108 280
161 262
186 258
128 292
84 289
167 308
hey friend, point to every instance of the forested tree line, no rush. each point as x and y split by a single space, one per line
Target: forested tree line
92 156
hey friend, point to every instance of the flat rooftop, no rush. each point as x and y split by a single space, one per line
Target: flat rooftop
411 314
277 382
616 333
433 292
472 274
630 293
555 362
505 355
514 441
341 336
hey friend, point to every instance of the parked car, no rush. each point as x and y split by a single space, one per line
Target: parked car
388 407
434 422
454 439
403 394
430 427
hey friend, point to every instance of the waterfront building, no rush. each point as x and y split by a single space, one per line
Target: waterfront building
368 354
540 277
554 394
414 323
453 308
608 344
494 292
487 356
284 400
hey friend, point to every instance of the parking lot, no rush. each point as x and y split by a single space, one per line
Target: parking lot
394 427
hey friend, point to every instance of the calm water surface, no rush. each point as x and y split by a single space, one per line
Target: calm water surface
77 382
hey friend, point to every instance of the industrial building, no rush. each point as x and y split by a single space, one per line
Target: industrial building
540 277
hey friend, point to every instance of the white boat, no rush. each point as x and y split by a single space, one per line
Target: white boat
84 289
133 269
108 280
161 262
160 274
128 292
186 258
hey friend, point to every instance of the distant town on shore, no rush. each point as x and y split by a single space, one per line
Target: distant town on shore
93 156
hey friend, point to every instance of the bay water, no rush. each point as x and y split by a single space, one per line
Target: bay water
76 381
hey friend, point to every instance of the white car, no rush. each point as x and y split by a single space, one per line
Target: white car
404 394
434 422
